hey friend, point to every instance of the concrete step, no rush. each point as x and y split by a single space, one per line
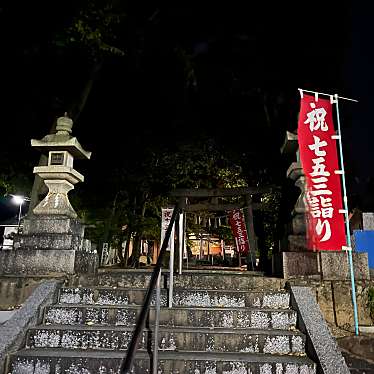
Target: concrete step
52 361
189 279
173 339
77 314
181 297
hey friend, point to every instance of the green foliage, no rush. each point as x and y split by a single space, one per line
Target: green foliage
95 28
137 190
270 207
197 165
371 302
15 176
189 68
232 177
224 233
5 186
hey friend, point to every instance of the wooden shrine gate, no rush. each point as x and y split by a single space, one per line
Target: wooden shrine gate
214 205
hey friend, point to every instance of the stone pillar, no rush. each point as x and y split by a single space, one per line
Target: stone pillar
297 239
52 240
295 259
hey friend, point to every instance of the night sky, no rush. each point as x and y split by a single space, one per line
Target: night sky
248 60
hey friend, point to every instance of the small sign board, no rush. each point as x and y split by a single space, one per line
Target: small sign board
368 221
57 158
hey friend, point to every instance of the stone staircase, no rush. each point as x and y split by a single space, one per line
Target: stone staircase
220 323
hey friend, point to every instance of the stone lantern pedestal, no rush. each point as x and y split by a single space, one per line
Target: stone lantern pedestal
52 240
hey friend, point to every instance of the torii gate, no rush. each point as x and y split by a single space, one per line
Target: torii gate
246 192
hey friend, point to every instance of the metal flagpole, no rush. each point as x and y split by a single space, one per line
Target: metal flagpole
301 90
345 202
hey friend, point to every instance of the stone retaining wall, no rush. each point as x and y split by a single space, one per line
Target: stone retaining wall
14 290
12 332
320 345
335 301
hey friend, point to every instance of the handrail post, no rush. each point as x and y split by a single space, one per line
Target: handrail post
157 324
181 242
171 263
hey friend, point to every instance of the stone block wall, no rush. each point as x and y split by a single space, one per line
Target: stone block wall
14 290
326 265
335 301
335 266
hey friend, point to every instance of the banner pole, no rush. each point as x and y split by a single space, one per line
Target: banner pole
326 94
345 202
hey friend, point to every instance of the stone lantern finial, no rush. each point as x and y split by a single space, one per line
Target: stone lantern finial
64 125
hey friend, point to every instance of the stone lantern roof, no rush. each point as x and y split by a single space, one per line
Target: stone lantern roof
61 140
290 144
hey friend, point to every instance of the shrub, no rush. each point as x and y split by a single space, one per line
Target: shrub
371 302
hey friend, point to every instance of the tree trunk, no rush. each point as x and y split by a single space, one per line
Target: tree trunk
137 241
39 189
109 222
127 247
120 253
135 252
77 107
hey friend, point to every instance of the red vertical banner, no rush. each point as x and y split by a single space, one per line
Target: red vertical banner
319 159
239 230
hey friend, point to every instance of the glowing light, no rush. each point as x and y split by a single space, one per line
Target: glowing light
18 199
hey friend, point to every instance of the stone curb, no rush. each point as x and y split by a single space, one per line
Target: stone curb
12 332
320 344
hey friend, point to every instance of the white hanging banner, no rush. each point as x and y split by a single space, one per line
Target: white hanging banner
165 221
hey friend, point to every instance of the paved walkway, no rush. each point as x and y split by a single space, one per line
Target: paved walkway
5 315
358 352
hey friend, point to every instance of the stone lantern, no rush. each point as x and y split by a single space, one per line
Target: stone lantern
53 240
59 175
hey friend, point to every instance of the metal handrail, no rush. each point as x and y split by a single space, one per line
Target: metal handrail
126 365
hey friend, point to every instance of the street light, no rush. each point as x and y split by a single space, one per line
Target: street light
19 200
